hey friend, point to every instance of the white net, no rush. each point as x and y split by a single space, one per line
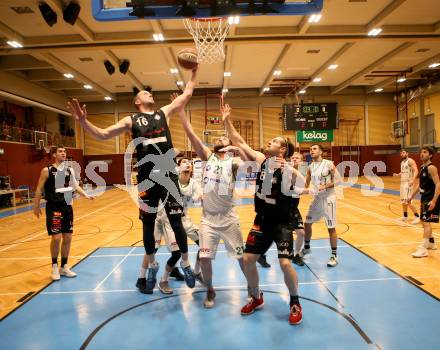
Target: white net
209 35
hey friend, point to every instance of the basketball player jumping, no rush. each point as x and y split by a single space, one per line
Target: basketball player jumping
191 192
275 217
219 218
151 129
321 174
408 174
59 183
429 187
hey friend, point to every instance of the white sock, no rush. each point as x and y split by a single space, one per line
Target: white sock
143 273
165 276
425 243
54 266
184 263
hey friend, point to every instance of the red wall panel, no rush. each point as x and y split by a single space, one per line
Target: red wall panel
23 163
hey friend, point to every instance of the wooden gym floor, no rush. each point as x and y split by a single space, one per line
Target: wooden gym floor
369 223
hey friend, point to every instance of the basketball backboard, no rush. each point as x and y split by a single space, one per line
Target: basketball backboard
120 10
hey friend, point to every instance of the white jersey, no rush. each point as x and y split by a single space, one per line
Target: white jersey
218 185
189 192
303 171
321 175
406 171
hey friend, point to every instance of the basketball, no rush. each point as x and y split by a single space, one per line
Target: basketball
187 58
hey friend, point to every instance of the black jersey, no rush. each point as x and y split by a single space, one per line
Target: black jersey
58 188
427 186
154 129
270 201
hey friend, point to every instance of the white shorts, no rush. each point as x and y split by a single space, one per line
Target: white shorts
405 192
222 226
162 228
323 206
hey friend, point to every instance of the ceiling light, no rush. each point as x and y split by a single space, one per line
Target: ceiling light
333 66
179 82
315 18
401 79
227 74
68 75
107 98
277 72
14 44
434 65
88 87
317 80
378 90
49 15
225 91
233 20
158 37
374 31
174 71
302 92
266 89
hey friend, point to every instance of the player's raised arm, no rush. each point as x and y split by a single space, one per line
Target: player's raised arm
236 138
202 151
180 101
80 114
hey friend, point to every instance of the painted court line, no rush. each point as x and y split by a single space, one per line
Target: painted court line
43 232
114 269
372 213
219 251
226 287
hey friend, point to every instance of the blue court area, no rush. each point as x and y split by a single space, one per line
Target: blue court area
358 305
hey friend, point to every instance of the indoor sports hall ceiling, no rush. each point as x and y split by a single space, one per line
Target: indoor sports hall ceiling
256 47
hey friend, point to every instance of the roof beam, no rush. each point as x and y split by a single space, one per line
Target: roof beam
116 62
10 34
228 58
168 52
378 20
22 62
44 75
371 67
330 61
63 67
303 25
277 63
414 70
229 41
64 85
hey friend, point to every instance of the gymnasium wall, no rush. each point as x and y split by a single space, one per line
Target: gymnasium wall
23 163
393 162
428 106
355 113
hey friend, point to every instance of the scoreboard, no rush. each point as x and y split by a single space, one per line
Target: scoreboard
310 116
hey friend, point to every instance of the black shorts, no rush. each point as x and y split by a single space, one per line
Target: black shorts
429 215
158 192
265 232
59 219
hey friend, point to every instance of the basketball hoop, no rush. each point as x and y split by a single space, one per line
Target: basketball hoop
209 35
47 149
